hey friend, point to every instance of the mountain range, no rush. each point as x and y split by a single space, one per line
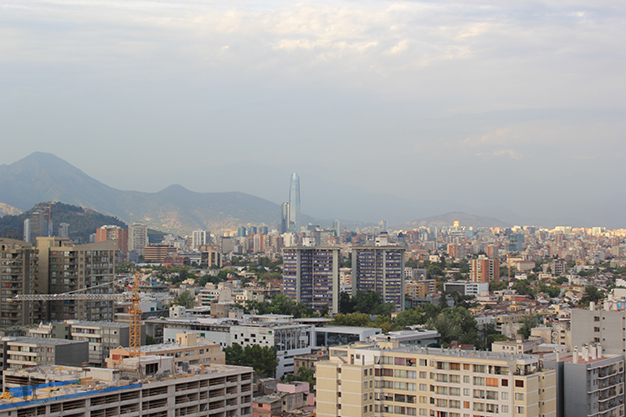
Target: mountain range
44 177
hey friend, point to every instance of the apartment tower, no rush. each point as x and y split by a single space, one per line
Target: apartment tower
311 276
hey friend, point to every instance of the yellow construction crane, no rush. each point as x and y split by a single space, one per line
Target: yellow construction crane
134 311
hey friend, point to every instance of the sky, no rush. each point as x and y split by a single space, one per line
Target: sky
513 109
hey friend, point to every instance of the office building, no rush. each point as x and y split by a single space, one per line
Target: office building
64 230
589 382
384 379
115 233
284 218
146 386
158 253
379 269
295 221
40 223
198 238
289 338
484 269
311 276
137 238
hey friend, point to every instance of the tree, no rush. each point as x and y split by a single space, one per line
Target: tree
591 294
455 324
346 305
262 359
185 299
411 317
302 374
151 340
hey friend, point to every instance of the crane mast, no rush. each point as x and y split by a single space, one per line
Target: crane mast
134 348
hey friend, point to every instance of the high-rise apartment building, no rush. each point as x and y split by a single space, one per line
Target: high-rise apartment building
379 269
63 267
311 276
294 204
198 238
372 380
116 233
137 238
17 260
484 269
27 231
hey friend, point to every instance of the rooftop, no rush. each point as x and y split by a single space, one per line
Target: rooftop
38 340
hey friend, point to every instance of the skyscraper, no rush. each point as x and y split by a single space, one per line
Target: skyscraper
284 217
294 204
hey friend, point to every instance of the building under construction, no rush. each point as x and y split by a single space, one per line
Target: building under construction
148 386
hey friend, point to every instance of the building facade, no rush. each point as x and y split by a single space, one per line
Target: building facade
17 260
379 269
367 380
311 276
115 233
137 238
294 204
484 269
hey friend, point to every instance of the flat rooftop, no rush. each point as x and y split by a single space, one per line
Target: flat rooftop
38 340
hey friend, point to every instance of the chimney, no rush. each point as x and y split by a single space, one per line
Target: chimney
593 351
586 353
592 305
599 350
575 355
558 355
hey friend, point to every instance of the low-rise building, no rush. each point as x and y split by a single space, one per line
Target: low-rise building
188 348
26 352
102 337
417 337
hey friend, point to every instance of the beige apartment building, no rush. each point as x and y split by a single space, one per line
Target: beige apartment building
366 379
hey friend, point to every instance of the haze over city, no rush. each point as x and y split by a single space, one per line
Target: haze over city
514 111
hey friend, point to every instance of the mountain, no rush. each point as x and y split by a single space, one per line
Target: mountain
45 177
448 219
7 209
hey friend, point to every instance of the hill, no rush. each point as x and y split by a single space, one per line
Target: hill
83 222
45 177
7 209
448 219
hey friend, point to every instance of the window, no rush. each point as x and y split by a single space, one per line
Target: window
466 379
519 410
505 395
423 387
596 329
481 381
519 396
505 409
519 383
596 318
479 369
423 375
505 382
466 392
492 382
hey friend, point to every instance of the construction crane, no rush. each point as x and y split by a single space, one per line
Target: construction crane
135 312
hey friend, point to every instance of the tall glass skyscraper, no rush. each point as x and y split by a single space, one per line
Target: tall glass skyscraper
284 218
294 204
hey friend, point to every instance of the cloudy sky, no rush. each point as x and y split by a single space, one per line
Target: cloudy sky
511 108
